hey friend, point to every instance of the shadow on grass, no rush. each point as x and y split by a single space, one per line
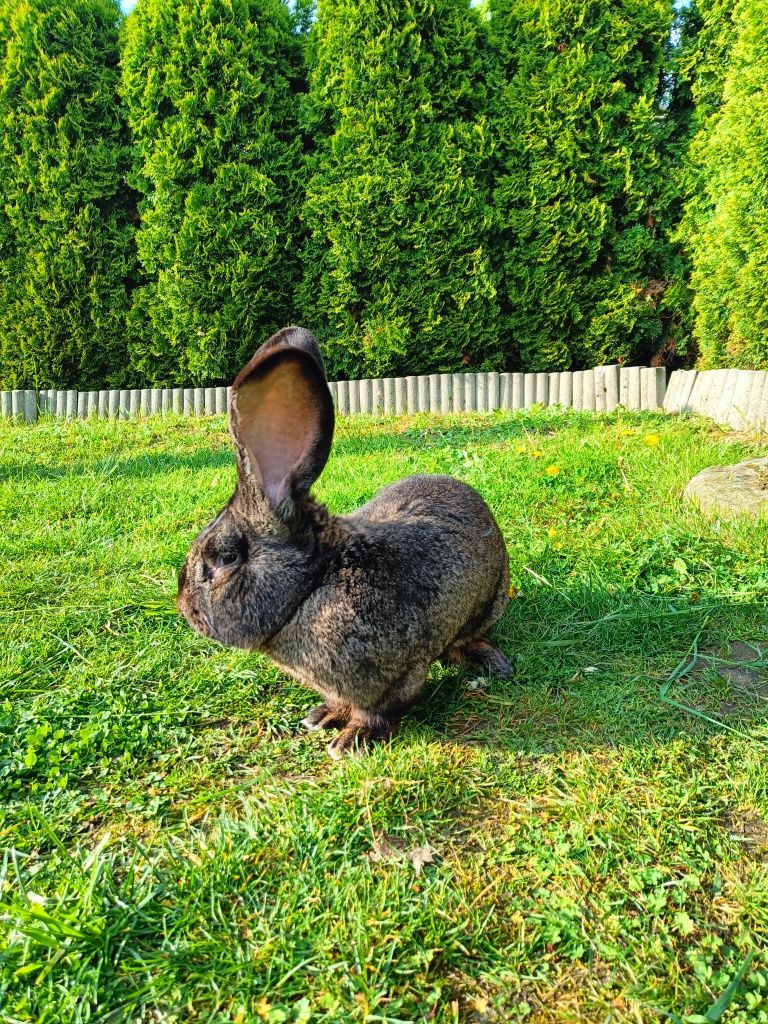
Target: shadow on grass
371 436
590 669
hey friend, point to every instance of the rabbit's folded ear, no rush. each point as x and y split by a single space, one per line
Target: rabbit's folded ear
282 416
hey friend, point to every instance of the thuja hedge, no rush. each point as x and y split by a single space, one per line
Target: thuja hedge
210 87
398 276
583 190
726 222
67 253
535 184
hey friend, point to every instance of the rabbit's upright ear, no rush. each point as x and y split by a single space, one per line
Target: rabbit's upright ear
281 416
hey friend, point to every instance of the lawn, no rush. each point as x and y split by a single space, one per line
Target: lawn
178 850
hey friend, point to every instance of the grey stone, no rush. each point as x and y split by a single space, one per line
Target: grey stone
113 406
553 392
401 396
470 392
606 388
529 389
740 489
493 391
434 392
685 398
354 397
365 392
342 388
481 391
412 394
457 392
377 392
505 390
588 390
756 399
424 394
672 396
389 396
518 390
578 389
565 391
446 392
30 406
652 387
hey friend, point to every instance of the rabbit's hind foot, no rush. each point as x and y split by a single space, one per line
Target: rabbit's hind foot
478 652
330 715
361 732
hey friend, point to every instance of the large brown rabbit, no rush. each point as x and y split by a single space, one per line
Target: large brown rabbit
357 606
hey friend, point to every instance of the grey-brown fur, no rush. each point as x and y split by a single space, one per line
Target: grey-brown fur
357 606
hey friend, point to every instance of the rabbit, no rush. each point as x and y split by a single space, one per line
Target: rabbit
355 606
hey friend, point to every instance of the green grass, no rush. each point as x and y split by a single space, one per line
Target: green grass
177 850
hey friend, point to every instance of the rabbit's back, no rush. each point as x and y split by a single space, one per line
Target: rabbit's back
424 568
432 498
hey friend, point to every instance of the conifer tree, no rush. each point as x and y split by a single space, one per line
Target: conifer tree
211 88
66 224
583 190
397 275
726 223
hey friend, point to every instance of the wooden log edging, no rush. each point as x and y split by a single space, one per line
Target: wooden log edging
600 390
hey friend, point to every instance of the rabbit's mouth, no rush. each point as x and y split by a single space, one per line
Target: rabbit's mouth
197 617
199 620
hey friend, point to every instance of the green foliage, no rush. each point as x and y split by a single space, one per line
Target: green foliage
397 276
211 92
582 185
66 224
726 224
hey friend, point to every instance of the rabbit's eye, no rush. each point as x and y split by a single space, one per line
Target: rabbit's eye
225 558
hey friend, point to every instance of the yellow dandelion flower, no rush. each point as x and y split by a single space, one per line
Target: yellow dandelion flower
626 432
536 454
551 532
652 439
520 449
552 471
